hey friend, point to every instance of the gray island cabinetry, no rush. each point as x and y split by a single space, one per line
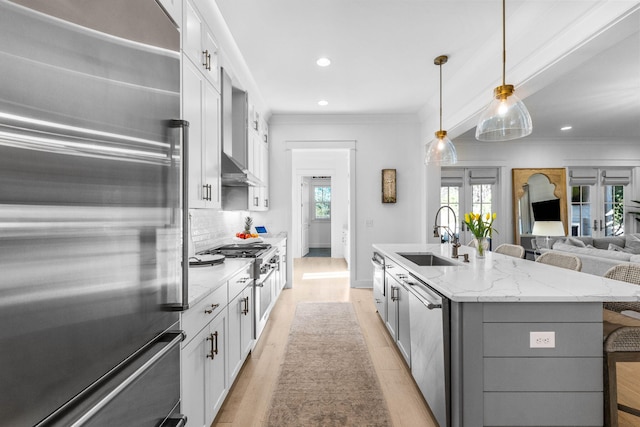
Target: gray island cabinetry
501 341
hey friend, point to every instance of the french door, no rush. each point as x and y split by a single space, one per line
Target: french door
597 201
467 190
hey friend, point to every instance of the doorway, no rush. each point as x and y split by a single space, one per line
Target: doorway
321 218
316 216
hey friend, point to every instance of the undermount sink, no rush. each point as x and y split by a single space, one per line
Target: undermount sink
427 259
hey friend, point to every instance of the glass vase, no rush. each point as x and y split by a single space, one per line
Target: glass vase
482 245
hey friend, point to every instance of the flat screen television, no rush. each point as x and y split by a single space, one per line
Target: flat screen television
546 210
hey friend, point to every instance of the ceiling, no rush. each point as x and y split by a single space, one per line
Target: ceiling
573 62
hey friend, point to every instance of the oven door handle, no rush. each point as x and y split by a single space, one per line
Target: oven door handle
264 278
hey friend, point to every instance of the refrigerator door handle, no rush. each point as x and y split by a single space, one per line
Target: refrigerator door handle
184 126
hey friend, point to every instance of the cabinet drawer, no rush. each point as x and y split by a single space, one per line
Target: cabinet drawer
572 339
239 281
543 374
543 409
197 317
519 312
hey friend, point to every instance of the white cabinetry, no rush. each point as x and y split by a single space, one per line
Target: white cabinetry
199 45
219 339
258 161
201 108
281 272
204 377
240 322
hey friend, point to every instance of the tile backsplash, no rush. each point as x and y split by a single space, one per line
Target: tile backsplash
211 227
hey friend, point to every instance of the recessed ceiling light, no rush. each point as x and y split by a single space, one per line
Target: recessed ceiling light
323 62
566 128
323 103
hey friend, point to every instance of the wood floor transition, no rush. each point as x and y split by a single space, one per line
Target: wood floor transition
327 279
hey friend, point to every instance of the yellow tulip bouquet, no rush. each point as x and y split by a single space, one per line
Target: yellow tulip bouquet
481 226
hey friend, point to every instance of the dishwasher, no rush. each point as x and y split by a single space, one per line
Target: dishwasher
430 347
378 285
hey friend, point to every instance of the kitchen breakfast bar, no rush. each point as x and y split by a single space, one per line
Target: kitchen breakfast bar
497 341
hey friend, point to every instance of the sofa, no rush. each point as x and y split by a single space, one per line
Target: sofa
599 254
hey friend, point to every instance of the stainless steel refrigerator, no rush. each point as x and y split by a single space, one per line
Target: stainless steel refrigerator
90 214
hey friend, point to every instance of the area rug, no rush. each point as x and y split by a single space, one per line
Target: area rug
327 377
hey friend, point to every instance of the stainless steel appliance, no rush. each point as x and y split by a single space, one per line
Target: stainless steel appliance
90 214
430 347
264 284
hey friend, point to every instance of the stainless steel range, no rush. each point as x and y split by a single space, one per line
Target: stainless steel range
264 285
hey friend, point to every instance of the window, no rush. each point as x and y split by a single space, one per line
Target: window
322 202
482 195
597 201
467 190
450 196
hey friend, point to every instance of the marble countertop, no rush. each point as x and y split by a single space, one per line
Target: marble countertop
205 279
500 278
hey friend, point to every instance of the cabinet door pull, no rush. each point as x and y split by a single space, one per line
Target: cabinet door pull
245 309
215 335
255 201
266 203
394 293
213 307
205 60
211 354
595 225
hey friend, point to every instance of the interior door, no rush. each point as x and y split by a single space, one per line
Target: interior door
304 214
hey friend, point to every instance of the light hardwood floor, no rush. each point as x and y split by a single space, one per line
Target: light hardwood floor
322 279
326 279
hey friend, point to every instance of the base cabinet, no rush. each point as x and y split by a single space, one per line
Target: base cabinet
397 321
476 365
240 330
204 377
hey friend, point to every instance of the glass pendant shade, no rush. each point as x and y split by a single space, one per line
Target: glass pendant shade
441 150
505 118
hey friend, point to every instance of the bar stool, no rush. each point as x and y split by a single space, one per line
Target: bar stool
560 260
511 250
621 344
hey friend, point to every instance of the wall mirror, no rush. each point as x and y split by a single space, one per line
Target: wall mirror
538 194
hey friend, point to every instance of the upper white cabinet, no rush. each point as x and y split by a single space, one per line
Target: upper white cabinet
201 108
258 160
173 9
199 45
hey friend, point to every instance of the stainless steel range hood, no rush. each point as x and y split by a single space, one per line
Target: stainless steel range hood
234 175
235 144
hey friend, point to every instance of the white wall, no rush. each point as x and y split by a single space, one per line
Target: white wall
382 142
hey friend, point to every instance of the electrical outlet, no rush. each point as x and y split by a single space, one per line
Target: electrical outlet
369 223
545 339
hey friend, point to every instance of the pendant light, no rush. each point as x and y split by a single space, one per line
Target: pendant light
441 150
506 117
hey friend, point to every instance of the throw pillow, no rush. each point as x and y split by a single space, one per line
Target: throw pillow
632 242
575 242
626 249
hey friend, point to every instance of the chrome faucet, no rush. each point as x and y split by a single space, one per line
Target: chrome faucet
452 235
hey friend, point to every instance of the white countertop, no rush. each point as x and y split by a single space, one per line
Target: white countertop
205 279
500 278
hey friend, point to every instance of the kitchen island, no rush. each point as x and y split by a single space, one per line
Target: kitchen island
520 342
